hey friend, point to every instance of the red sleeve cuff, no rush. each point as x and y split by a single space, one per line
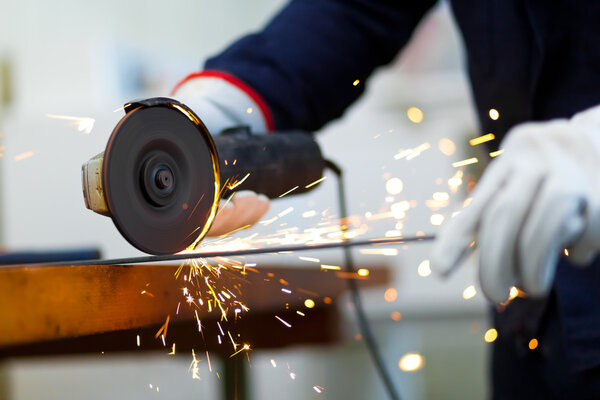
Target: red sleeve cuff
262 105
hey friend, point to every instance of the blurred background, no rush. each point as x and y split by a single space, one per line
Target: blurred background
84 60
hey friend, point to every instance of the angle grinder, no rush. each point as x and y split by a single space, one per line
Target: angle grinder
162 174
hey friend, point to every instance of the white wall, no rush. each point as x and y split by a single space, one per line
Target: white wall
73 57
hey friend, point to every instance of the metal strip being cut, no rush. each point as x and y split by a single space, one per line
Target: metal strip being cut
247 252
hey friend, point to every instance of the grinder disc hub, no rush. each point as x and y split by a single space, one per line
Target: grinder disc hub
157 179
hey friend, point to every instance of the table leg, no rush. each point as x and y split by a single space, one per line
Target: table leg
235 378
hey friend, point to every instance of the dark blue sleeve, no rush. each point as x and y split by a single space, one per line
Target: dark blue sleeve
306 59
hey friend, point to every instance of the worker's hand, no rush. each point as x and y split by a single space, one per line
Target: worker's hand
244 210
222 102
540 196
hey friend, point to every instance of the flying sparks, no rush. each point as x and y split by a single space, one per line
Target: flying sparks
490 335
411 362
462 163
415 115
83 124
23 156
482 139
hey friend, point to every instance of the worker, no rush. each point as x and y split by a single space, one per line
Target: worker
538 64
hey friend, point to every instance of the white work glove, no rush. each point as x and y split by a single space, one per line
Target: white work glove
222 102
540 196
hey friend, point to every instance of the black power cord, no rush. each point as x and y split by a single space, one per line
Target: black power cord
363 323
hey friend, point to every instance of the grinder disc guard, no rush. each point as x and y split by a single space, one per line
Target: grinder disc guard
161 177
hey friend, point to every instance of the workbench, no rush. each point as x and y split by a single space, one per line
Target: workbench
68 309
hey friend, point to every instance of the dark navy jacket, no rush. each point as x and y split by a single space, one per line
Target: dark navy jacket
530 59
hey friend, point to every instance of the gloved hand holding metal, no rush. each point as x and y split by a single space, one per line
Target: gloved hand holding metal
539 197
222 105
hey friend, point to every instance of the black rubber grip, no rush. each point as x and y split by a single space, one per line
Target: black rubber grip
269 164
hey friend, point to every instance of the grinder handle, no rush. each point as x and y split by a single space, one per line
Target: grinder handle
269 164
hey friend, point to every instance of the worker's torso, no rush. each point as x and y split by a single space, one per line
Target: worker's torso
531 60
538 60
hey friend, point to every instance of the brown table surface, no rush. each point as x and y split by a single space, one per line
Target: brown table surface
71 308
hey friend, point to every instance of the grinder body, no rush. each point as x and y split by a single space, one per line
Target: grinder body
268 164
162 173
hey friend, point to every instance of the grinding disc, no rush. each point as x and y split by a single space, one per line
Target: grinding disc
161 177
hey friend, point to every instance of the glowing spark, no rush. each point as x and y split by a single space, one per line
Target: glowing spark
441 196
208 359
494 114
138 340
245 347
308 303
424 269
490 335
412 153
273 363
232 341
236 230
249 110
238 183
514 292
332 267
414 115
194 366
315 182
436 219
462 163
399 209
566 252
469 292
318 389
390 295
403 154
84 124
288 192
355 83
383 252
363 272
455 181
316 260
284 290
411 362
283 322
496 153
300 313
308 214
172 353
482 139
23 156
533 344
446 146
285 212
163 329
396 316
